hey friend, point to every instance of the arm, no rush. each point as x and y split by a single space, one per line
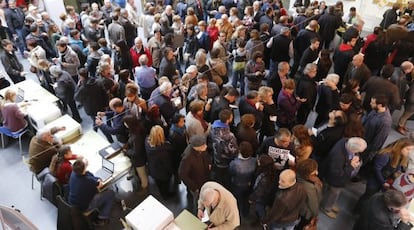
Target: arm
277 210
380 162
8 66
185 171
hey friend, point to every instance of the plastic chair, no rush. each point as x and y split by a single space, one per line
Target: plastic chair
14 135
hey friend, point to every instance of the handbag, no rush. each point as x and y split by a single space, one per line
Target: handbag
312 224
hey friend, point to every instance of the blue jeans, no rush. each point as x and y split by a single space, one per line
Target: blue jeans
20 40
288 226
238 76
103 202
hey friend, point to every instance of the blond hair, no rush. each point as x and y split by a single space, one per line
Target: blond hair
156 136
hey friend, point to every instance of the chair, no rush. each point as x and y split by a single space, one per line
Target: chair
14 135
70 217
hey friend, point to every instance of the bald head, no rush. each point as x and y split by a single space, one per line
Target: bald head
287 179
358 60
407 67
313 25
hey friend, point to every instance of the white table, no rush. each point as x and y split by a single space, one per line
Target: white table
32 91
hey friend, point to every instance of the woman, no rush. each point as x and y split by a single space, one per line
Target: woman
388 164
145 77
248 19
288 105
179 139
154 45
195 122
201 94
136 148
246 132
122 59
212 31
160 162
307 174
376 52
238 35
135 105
255 71
324 65
60 165
218 68
201 63
54 35
254 44
269 112
328 98
13 117
302 142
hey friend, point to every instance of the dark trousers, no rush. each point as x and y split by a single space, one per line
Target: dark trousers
242 194
303 113
164 188
73 109
221 176
103 202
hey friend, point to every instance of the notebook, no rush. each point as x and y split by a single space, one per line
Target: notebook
106 171
110 150
20 95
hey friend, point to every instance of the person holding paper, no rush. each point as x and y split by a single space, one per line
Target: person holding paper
220 206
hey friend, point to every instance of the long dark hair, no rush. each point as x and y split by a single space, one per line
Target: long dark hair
58 159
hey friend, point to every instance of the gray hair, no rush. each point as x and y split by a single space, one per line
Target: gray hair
332 77
208 195
309 67
42 132
143 60
165 86
356 144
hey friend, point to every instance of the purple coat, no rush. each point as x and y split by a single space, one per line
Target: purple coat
287 108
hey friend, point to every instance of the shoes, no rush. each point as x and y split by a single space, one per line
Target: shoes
330 214
402 130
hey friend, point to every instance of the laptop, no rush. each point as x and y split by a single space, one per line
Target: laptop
106 171
20 95
110 150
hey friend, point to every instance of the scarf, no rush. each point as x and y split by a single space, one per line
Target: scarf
178 130
201 120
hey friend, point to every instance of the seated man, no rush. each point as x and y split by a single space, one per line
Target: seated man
42 148
83 192
117 127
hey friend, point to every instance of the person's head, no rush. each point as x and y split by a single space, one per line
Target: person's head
283 137
307 168
61 45
226 116
10 95
356 145
257 57
79 166
190 29
345 101
231 94
287 179
310 70
166 88
198 142
289 86
178 120
45 135
246 149
300 135
116 105
352 86
248 120
285 31
65 151
283 68
7 45
55 71
407 67
169 53
315 43
192 71
102 42
396 6
138 42
266 94
105 69
12 4
379 101
386 71
156 136
197 107
210 197
337 118
131 91
200 58
143 60
358 60
252 96
352 11
394 200
331 80
351 40
202 91
399 152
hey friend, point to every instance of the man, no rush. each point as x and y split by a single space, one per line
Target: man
94 31
10 62
225 26
168 64
84 194
42 148
137 50
390 16
328 23
342 57
358 70
352 16
129 27
41 40
221 206
250 104
116 114
310 54
68 59
163 100
342 164
267 18
212 88
221 45
304 37
283 22
377 124
282 48
195 166
15 21
224 147
386 210
399 77
280 148
382 85
115 30
289 202
307 88
223 102
65 90
277 78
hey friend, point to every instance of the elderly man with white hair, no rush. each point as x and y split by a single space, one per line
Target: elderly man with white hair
163 100
220 204
342 163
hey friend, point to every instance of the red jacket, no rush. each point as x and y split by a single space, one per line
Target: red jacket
135 56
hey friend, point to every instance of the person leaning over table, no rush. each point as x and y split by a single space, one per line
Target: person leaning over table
43 147
84 192
221 206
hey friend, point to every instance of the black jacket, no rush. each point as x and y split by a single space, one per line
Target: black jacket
15 19
306 88
12 65
337 167
280 48
92 96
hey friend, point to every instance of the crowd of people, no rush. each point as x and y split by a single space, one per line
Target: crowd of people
222 91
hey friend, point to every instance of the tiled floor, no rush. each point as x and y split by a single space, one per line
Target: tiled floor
15 190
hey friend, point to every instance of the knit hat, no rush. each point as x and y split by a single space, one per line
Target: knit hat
55 70
197 140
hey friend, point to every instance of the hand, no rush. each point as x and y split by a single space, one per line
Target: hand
301 99
15 36
22 74
386 186
355 162
405 215
98 122
310 132
207 107
100 114
200 214
258 73
64 64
